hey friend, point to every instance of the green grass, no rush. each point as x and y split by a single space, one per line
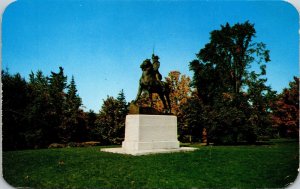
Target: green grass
265 166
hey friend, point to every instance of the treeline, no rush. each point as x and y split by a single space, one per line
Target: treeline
226 101
47 110
264 115
41 112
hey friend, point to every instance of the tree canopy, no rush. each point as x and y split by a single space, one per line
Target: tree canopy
286 111
223 78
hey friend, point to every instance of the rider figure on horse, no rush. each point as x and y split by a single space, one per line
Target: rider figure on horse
151 82
157 75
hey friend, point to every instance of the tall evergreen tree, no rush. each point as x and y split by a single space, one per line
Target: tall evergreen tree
122 103
71 122
43 111
15 100
57 86
38 111
72 97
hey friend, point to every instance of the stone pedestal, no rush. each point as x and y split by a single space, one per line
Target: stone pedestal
149 132
145 134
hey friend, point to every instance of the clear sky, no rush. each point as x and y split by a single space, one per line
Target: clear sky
102 43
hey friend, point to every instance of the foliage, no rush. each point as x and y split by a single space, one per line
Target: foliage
272 165
57 87
91 118
47 110
261 98
73 116
41 111
226 84
110 124
285 115
14 102
191 120
180 90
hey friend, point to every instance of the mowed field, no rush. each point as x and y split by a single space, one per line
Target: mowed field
270 165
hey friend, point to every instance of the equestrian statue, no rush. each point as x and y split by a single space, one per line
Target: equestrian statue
151 82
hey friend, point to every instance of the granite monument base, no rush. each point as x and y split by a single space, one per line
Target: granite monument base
148 134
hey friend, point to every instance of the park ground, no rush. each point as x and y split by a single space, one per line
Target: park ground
268 165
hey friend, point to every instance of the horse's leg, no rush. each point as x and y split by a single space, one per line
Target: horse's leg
162 98
167 95
150 98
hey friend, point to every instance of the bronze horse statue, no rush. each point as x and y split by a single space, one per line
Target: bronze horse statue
149 83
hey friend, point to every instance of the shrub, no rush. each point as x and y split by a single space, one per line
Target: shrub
56 145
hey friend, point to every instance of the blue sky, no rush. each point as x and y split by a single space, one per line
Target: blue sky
102 43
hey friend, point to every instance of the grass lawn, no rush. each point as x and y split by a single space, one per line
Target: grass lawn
264 166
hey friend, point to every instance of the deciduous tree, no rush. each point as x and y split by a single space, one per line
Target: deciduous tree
286 111
110 123
222 74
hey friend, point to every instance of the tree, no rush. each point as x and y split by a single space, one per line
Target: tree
72 98
285 115
110 123
57 86
38 111
261 97
122 104
191 120
179 97
42 111
222 74
72 114
180 90
91 126
223 64
15 100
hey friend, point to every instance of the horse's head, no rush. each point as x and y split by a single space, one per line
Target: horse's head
146 64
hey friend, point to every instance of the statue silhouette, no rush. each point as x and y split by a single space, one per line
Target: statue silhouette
150 82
